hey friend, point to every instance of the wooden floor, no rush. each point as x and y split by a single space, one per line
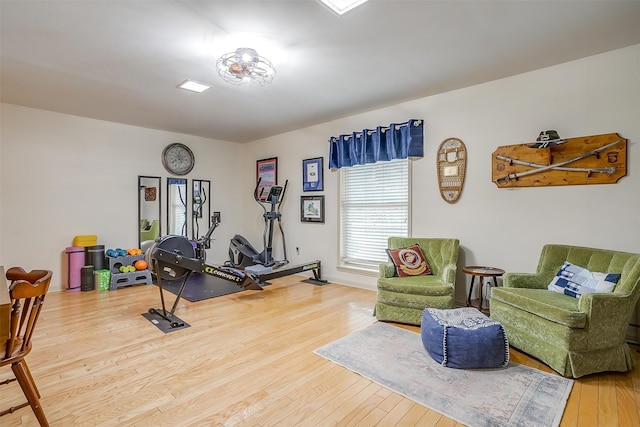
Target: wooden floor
247 359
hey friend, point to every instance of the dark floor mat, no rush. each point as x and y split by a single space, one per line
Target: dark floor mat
201 286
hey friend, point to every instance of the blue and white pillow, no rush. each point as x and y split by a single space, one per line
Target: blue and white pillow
574 281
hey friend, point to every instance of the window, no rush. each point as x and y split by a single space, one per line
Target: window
374 205
177 206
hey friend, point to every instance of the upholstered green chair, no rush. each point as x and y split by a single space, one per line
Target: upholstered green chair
403 299
149 231
574 336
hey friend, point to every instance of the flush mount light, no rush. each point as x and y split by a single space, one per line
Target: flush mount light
342 6
193 86
244 67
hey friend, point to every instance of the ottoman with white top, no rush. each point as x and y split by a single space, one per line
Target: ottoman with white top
464 338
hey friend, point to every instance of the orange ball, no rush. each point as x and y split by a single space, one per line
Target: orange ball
140 264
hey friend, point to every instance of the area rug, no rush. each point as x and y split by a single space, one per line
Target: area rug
396 359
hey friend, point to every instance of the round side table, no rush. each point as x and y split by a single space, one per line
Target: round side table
481 272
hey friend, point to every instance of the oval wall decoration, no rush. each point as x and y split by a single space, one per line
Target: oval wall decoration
452 164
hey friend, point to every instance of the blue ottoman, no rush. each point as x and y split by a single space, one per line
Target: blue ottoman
464 338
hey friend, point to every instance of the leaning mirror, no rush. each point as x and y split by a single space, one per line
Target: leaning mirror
201 212
177 199
149 226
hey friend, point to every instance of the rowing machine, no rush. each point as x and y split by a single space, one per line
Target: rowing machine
174 257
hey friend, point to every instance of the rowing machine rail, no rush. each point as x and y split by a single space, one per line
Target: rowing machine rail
315 267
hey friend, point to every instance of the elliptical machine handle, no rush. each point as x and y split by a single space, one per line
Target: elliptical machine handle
257 196
284 190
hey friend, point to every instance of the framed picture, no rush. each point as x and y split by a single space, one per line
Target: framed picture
267 174
150 194
312 176
312 208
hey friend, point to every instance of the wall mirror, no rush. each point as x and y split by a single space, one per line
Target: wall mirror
201 212
177 199
149 225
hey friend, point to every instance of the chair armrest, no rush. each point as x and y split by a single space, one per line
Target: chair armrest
594 303
608 316
386 270
449 273
524 280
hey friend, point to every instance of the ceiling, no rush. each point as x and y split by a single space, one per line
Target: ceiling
121 61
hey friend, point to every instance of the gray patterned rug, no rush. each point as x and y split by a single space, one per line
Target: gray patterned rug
395 358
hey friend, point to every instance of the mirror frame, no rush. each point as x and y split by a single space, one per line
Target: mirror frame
201 208
173 181
142 196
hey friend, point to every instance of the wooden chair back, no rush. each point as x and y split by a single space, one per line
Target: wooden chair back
27 292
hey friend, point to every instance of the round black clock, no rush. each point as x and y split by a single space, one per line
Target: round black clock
178 159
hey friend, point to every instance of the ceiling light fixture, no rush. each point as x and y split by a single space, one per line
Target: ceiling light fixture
342 6
245 66
193 86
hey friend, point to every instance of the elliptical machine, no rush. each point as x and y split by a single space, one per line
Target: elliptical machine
241 253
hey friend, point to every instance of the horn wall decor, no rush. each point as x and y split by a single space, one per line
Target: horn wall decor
596 159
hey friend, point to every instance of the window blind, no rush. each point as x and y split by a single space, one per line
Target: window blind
177 208
374 205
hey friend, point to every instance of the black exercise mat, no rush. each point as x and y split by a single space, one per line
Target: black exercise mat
200 287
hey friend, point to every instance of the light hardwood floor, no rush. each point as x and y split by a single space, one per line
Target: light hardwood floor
247 359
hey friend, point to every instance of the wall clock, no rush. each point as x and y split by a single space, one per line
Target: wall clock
178 159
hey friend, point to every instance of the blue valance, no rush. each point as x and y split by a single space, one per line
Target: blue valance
397 141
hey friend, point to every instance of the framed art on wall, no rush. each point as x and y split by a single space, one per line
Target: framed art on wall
312 176
312 208
150 194
267 174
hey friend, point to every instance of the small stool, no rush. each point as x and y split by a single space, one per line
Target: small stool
464 338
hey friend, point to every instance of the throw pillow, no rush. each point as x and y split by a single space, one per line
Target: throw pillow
574 281
409 261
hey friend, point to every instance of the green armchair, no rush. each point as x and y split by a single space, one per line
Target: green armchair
574 336
149 231
403 299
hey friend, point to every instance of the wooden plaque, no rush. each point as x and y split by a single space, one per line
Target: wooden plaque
596 159
452 165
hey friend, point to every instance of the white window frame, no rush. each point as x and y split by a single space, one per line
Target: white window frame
370 266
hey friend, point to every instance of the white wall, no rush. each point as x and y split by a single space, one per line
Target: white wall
63 176
499 227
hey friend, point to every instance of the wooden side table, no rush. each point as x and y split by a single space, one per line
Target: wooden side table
481 272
